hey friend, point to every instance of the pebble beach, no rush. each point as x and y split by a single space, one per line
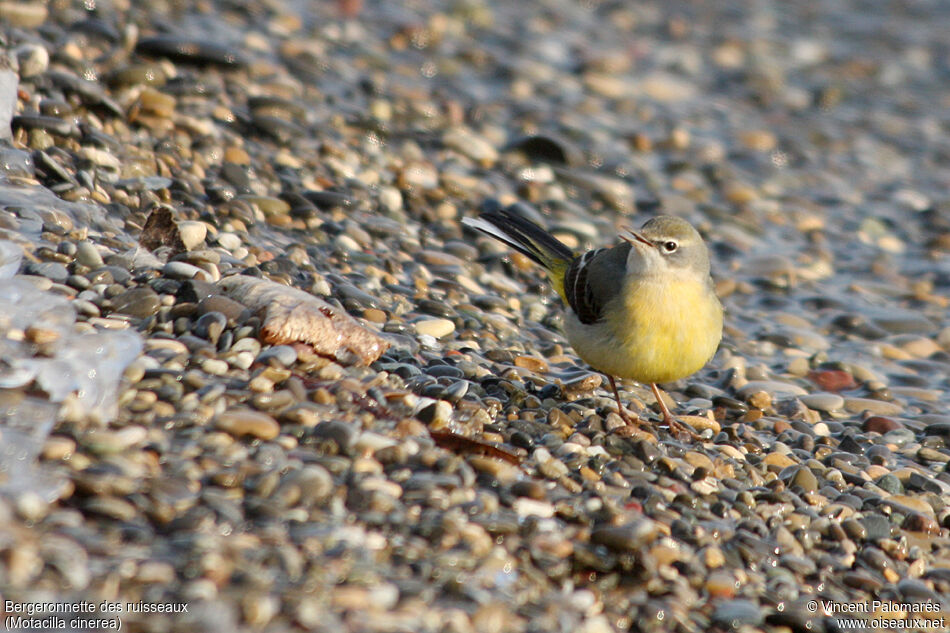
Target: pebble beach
255 375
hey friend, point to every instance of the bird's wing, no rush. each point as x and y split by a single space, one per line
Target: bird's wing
593 279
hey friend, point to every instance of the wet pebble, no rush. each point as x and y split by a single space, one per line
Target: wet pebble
437 328
246 422
139 302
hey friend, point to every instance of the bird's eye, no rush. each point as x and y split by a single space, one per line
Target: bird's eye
670 246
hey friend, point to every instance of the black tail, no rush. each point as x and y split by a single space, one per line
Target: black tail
524 236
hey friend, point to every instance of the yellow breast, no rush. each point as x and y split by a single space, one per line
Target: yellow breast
665 331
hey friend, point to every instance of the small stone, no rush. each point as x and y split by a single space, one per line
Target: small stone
721 584
899 321
877 526
855 529
698 460
880 424
31 506
778 460
210 325
374 315
192 233
908 504
737 615
891 484
436 414
758 140
472 145
27 15
58 447
241 422
106 442
226 306
630 537
759 400
33 60
526 507
805 479
918 522
228 241
535 364
342 434
434 327
157 103
938 429
701 422
155 572
140 302
112 507
214 366
88 255
927 454
346 243
53 271
778 390
182 270
278 355
833 379
713 557
500 470
823 401
875 407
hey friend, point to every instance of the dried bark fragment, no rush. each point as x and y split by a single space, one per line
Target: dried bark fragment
291 315
469 445
161 230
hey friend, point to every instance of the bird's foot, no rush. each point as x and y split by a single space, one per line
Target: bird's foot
677 429
680 430
633 426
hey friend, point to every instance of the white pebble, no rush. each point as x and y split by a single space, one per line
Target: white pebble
435 327
192 233
214 367
229 241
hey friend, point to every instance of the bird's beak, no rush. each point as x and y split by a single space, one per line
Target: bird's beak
633 237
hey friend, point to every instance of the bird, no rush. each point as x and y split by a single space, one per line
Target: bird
644 309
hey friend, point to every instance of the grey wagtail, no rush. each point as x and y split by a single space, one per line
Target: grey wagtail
644 309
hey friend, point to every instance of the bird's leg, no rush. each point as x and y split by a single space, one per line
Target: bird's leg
675 427
624 414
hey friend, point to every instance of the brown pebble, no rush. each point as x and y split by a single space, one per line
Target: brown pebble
500 470
58 447
535 364
713 557
780 426
760 400
920 523
236 155
880 424
698 460
374 315
751 416
721 584
778 460
701 422
157 103
833 379
240 422
531 488
322 396
759 140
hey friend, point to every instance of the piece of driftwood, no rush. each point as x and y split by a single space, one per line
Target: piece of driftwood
290 315
161 230
470 445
